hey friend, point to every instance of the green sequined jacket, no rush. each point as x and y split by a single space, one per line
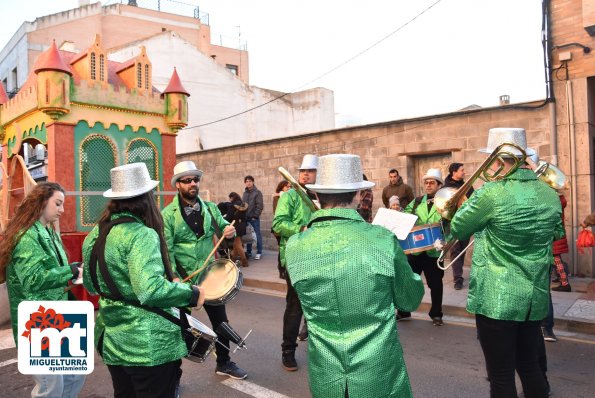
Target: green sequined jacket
424 217
290 216
350 276
133 336
38 270
185 249
514 221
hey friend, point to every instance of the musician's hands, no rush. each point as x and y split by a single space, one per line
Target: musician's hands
79 280
229 232
201 296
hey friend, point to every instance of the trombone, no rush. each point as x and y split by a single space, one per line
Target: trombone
299 189
448 200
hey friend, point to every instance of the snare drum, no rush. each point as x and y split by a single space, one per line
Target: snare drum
422 238
199 338
222 280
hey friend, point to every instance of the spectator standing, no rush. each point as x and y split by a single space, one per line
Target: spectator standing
237 212
394 203
253 197
366 198
397 187
456 179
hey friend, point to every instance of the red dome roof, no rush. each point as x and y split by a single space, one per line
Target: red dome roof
51 60
175 85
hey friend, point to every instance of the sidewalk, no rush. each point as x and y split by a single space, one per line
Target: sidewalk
574 311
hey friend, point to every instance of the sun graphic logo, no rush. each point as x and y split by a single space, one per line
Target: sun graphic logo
55 337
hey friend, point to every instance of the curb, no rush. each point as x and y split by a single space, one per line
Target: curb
570 325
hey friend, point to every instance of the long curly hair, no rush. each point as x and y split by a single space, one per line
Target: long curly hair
25 215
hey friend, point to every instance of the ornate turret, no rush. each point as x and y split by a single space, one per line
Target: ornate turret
176 100
53 83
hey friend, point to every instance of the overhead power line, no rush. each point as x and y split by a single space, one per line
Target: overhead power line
357 55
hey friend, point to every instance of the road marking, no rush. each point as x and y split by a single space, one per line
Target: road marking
252 389
6 339
9 362
265 292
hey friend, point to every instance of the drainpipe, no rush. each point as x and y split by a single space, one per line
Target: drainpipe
553 134
573 194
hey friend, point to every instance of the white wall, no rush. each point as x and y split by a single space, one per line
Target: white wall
216 93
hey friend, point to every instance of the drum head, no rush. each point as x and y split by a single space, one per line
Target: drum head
219 279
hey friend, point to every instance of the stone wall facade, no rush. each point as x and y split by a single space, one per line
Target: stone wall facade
433 142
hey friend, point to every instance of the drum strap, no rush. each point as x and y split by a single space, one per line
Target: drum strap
417 202
98 259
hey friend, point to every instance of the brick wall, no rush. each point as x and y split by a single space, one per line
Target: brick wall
381 146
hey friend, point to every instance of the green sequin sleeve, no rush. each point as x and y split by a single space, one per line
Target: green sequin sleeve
408 289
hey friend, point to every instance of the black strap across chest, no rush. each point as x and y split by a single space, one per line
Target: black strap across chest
329 218
97 259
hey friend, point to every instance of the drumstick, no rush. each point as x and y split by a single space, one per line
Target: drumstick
192 275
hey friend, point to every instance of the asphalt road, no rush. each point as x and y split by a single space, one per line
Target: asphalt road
441 361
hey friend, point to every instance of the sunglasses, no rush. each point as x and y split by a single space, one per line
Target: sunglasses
189 180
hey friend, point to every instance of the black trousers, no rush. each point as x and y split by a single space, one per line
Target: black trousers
217 315
145 381
291 318
427 265
457 266
508 346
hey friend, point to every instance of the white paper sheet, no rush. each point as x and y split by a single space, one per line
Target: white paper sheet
397 222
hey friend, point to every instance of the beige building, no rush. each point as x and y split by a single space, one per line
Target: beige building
561 128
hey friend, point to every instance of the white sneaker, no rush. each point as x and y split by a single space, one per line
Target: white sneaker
257 256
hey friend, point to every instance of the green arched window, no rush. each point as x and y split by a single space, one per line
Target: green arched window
143 150
97 157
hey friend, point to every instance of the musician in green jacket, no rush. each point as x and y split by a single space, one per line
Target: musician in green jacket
34 264
190 225
350 276
515 221
291 216
141 349
423 207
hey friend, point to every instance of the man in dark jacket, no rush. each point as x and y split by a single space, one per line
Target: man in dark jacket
397 187
253 197
456 179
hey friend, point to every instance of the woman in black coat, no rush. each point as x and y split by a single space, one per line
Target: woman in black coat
237 212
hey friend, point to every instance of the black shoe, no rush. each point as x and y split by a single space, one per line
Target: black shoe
561 288
437 321
401 317
232 370
303 336
289 362
548 335
458 284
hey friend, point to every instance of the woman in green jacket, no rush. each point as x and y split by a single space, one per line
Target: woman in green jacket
141 349
35 267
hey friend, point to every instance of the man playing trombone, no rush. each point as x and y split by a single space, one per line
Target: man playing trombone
515 218
291 217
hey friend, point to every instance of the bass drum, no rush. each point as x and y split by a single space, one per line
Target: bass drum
222 280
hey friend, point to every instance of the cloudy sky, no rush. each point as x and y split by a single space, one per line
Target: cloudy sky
384 59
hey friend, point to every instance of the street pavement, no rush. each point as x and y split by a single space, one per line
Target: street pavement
573 311
441 361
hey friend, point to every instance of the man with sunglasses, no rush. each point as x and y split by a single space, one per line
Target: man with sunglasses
189 226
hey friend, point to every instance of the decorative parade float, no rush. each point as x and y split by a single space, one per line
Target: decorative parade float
76 117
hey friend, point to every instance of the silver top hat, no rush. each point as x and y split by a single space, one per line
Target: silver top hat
310 162
509 135
339 173
185 169
435 174
130 180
